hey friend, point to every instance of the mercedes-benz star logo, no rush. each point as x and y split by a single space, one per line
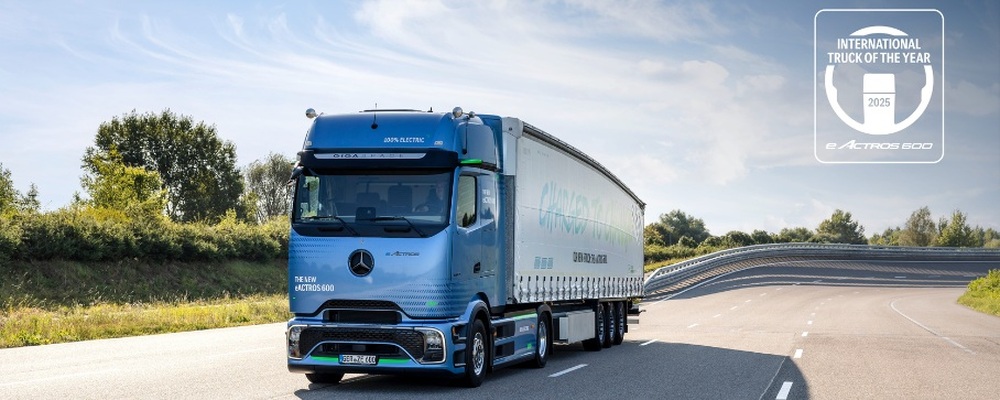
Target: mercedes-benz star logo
361 262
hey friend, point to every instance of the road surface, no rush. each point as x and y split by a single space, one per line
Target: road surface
819 330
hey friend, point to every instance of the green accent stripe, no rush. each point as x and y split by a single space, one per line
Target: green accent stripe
471 161
381 360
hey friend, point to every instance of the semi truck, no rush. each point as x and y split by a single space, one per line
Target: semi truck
453 243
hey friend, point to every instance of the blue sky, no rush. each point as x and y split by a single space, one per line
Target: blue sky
705 107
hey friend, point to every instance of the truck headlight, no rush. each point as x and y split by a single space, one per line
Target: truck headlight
433 345
293 342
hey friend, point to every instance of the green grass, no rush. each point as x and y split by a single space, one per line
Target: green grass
63 301
33 326
983 294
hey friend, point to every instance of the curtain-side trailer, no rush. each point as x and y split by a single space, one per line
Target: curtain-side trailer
450 244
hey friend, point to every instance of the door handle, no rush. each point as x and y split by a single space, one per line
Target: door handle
476 268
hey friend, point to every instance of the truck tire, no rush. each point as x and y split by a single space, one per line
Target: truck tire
543 341
476 354
609 325
600 330
330 378
621 319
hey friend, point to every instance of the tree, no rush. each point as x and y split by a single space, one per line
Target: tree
687 242
266 187
676 224
840 229
761 237
198 169
11 200
888 237
8 194
651 236
793 235
956 233
114 185
919 230
737 239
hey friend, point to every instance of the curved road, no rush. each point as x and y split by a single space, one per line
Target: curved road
819 330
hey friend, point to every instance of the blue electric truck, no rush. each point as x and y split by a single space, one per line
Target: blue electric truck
450 244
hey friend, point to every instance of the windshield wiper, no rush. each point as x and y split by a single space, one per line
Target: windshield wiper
397 218
341 220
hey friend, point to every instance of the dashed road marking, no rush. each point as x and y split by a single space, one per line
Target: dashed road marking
809 322
716 315
566 371
649 342
798 353
692 325
806 333
783 393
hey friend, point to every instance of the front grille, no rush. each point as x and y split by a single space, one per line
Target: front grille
410 340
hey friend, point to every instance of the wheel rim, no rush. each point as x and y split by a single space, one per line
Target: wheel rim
478 354
543 339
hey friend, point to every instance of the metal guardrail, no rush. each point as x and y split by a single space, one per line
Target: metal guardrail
710 265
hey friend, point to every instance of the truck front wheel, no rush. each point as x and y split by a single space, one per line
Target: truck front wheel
543 341
476 354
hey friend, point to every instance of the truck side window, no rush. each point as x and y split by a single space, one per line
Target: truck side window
466 210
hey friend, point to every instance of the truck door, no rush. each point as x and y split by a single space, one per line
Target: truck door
468 244
476 245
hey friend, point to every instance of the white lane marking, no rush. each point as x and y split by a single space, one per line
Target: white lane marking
566 371
900 277
716 315
778 289
818 281
785 389
763 294
809 322
798 353
806 333
812 314
733 308
748 301
956 344
649 342
692 325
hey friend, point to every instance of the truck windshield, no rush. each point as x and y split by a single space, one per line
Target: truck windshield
367 201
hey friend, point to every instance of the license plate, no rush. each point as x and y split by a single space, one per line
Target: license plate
356 359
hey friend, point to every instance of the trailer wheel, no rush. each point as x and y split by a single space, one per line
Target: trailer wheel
476 354
543 341
331 378
609 325
620 320
600 330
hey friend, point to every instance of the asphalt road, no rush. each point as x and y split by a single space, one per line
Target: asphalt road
821 330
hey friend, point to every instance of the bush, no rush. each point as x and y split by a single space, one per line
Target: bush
10 237
93 234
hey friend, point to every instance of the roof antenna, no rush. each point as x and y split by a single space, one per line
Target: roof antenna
375 117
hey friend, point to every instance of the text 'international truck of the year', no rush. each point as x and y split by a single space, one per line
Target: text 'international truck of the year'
450 244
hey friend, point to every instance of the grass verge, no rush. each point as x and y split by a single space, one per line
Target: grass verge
64 301
983 294
33 326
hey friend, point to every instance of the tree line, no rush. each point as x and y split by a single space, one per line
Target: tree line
679 235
